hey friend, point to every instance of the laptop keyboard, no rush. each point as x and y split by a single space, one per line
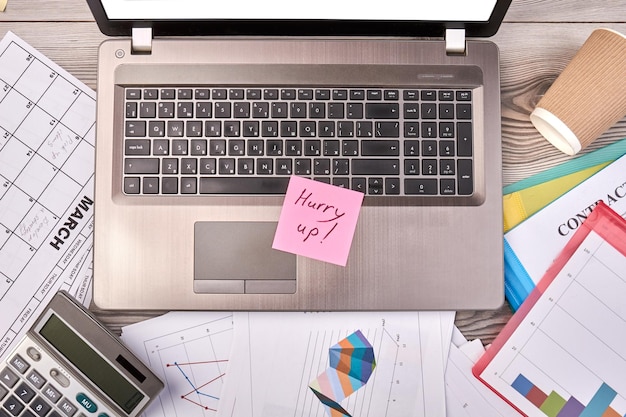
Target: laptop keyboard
248 141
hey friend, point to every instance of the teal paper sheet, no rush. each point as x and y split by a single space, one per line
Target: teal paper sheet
607 153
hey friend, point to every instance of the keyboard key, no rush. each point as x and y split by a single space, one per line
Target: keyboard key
447 186
464 111
169 185
288 94
392 186
168 93
219 93
464 139
420 186
150 93
135 129
382 110
387 129
137 147
247 185
375 186
429 110
380 148
141 166
464 95
236 94
340 94
357 94
375 167
133 94
391 95
428 95
411 95
465 176
131 185
270 94
185 93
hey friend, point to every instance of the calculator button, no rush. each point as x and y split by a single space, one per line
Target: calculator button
3 392
67 407
8 377
36 379
25 393
51 393
13 405
40 407
20 364
86 402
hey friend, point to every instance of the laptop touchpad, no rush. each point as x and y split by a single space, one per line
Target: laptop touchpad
237 257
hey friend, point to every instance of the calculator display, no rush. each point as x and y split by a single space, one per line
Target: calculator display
91 364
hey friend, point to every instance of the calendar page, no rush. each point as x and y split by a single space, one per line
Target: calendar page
47 133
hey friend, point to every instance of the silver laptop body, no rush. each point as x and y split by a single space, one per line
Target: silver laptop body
206 251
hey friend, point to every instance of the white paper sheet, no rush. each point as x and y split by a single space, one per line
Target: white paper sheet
466 396
277 355
189 351
47 136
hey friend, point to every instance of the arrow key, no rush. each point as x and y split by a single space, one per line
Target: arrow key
392 186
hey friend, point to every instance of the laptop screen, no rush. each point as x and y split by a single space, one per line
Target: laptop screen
289 17
390 10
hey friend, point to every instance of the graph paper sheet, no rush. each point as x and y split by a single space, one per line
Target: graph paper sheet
47 122
189 351
563 354
276 356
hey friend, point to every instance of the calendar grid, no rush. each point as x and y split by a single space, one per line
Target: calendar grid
47 147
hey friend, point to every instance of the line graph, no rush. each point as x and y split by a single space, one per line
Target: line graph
192 362
201 390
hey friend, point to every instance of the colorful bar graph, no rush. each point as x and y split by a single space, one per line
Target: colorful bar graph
554 405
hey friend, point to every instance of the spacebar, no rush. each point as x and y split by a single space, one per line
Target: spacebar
245 185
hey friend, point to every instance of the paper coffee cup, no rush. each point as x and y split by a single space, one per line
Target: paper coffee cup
588 97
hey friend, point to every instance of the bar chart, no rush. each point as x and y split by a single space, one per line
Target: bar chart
566 358
554 405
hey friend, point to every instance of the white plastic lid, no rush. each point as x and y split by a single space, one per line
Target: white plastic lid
555 131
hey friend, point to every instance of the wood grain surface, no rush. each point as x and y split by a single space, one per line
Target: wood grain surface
536 41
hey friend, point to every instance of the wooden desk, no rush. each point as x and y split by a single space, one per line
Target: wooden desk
537 40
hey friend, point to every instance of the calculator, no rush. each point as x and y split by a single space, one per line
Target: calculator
70 365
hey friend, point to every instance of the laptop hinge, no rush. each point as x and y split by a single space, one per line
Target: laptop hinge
455 41
142 40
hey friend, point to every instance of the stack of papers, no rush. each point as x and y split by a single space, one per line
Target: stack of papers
263 364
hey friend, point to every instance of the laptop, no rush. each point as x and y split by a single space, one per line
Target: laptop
205 111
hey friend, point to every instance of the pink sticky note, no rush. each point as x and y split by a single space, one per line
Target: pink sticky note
318 220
